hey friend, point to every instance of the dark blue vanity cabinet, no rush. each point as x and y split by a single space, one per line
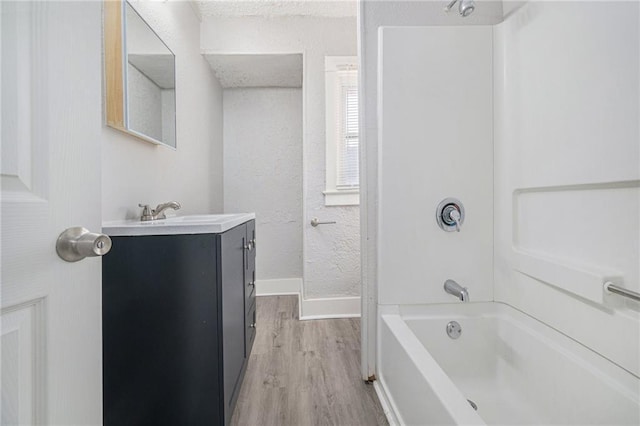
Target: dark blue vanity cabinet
178 326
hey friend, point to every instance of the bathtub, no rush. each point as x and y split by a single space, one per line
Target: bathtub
516 370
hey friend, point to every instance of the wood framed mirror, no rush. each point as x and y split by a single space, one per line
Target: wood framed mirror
140 76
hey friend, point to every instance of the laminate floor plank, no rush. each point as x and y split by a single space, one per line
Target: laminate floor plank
304 373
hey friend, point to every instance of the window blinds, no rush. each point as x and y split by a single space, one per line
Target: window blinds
348 169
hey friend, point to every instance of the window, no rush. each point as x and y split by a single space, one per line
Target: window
342 154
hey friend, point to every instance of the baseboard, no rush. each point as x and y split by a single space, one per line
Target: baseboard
333 307
310 309
279 287
385 403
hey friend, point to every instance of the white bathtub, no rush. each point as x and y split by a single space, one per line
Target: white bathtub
517 370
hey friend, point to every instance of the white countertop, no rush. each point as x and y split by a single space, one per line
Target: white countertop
177 225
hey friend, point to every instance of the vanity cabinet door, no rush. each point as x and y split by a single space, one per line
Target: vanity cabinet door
160 331
232 254
251 329
251 236
250 269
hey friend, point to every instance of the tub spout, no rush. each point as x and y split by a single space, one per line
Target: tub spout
455 289
464 295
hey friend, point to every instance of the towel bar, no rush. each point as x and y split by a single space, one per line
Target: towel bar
609 286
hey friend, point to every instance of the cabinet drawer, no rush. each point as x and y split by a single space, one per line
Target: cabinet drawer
251 325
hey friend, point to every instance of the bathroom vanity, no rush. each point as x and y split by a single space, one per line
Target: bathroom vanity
178 298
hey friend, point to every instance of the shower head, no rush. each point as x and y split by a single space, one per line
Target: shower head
465 7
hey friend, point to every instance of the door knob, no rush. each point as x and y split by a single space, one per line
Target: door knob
77 243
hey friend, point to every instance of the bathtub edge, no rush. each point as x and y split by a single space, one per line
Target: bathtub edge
455 406
385 402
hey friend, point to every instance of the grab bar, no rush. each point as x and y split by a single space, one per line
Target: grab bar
609 286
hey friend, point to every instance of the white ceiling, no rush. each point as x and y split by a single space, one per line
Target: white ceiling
256 70
276 8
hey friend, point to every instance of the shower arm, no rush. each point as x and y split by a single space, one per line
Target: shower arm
450 5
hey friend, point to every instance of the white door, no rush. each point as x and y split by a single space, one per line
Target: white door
51 174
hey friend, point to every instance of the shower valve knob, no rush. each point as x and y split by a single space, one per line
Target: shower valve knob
450 214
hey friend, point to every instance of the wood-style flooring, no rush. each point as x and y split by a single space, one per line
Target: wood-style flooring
304 372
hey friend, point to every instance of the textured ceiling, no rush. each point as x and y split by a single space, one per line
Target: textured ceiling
275 8
257 70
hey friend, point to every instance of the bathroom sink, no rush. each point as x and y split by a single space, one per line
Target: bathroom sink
212 218
189 224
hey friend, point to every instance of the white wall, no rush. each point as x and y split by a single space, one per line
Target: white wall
135 171
373 15
331 253
435 141
567 160
168 116
263 173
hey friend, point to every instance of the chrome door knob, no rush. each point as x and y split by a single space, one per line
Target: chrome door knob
76 243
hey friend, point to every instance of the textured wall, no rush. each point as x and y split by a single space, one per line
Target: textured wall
135 171
331 252
567 178
263 173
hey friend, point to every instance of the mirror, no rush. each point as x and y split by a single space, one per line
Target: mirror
140 76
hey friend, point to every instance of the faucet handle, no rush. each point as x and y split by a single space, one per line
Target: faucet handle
146 211
450 214
455 216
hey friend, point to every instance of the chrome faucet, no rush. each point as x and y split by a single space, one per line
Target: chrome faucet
158 212
453 288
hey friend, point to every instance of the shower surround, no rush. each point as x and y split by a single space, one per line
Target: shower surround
533 125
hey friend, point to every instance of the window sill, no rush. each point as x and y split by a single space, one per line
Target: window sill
342 198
